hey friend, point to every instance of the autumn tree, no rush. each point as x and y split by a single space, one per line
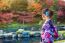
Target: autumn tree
6 17
5 4
19 5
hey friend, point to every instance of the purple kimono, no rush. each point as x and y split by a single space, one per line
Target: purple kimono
48 32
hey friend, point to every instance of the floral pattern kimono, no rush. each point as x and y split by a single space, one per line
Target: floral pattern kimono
48 32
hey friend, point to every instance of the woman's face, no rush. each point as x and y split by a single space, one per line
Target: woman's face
44 16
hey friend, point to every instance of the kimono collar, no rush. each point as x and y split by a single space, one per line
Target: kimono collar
47 20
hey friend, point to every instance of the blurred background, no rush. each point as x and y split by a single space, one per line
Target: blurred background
21 18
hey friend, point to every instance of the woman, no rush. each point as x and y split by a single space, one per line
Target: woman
48 32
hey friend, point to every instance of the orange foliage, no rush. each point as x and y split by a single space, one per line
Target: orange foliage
37 6
2 4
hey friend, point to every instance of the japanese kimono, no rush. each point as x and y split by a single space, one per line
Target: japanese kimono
48 32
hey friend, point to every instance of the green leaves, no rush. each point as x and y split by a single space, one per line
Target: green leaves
19 5
16 5
36 1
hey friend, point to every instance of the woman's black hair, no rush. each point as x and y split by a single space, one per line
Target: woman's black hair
48 12
45 11
51 13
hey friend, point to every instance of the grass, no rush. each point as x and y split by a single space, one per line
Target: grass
60 41
61 32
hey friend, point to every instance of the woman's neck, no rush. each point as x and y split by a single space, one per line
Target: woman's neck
48 18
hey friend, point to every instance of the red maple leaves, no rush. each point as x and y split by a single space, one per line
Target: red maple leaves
6 17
